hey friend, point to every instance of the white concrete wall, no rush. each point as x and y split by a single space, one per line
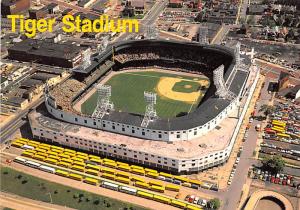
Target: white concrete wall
136 131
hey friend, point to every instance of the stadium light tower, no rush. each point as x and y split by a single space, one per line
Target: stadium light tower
203 33
151 32
104 43
222 90
237 53
104 105
150 113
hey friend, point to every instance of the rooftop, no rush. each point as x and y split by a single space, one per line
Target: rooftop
47 49
138 3
215 140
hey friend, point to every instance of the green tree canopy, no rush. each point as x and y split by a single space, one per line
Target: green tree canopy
214 203
273 164
267 109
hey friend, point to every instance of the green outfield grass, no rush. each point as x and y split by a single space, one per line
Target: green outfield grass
32 187
128 94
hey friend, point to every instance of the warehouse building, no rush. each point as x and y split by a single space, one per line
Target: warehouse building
13 7
49 53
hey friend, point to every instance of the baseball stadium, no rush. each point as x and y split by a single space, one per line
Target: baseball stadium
158 97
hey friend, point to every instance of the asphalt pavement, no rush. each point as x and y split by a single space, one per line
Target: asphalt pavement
231 199
149 19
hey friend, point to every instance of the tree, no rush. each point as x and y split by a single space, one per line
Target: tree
214 203
267 109
273 164
89 198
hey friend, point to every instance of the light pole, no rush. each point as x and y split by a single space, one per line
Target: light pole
50 197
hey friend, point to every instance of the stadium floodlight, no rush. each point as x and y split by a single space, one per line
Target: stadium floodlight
150 113
222 90
237 53
203 33
86 60
104 105
102 47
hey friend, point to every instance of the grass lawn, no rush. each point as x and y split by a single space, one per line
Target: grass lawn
128 94
38 189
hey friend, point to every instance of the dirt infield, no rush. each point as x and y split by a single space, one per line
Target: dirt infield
165 89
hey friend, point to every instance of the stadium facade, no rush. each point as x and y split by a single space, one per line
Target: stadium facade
210 113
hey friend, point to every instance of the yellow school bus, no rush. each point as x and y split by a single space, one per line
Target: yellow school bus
123 164
91 181
152 175
124 168
172 187
64 164
98 161
147 170
108 170
137 167
122 179
138 171
16 144
145 194
62 173
51 161
82 157
90 166
196 182
108 160
123 174
27 154
108 176
76 177
69 154
40 150
94 156
178 204
52 153
166 175
142 185
182 179
54 157
110 164
81 154
137 179
62 155
77 159
91 171
70 151
156 183
191 207
161 199
82 164
41 146
77 168
57 148
66 160
39 157
42 154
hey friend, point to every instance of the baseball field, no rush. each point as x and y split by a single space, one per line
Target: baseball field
177 94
